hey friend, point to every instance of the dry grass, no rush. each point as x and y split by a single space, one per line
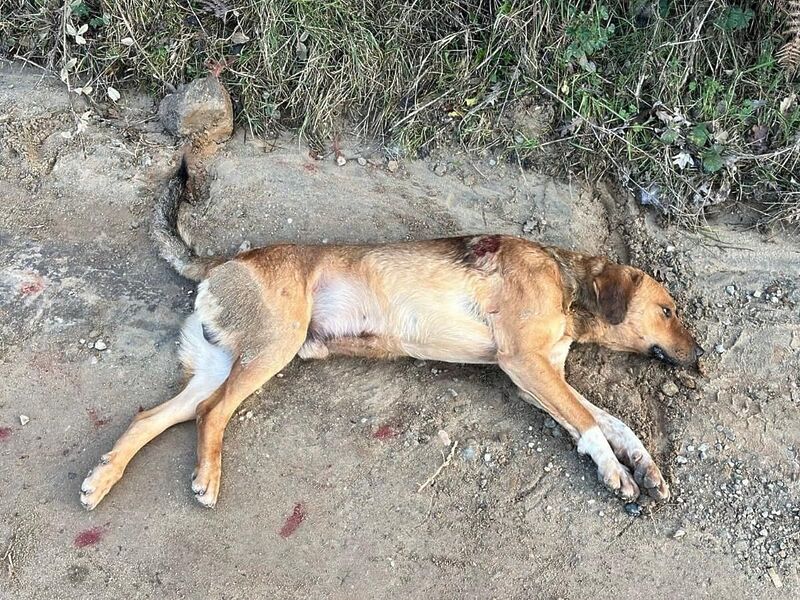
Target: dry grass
684 102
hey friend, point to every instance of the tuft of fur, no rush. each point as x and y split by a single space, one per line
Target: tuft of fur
171 242
210 362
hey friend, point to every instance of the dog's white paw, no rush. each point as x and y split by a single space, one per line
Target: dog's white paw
205 484
648 476
619 480
98 482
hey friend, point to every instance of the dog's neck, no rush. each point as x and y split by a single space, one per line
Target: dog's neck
584 323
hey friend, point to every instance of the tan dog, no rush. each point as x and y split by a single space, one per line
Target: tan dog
487 299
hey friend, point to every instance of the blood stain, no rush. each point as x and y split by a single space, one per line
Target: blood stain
29 288
385 432
293 521
89 537
96 420
5 433
486 245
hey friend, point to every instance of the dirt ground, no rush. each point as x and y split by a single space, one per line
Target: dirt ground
319 494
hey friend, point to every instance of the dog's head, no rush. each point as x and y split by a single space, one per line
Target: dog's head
641 315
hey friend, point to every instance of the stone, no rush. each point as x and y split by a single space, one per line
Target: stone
200 110
669 388
392 165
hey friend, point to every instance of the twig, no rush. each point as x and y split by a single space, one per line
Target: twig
446 462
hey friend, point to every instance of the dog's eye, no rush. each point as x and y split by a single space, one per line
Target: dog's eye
667 312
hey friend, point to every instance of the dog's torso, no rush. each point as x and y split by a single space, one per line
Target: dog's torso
438 299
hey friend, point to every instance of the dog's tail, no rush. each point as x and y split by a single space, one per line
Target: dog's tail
172 242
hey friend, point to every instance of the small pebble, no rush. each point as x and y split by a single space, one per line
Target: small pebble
245 246
362 161
633 509
392 166
719 348
679 533
24 419
100 345
94 333
470 450
440 169
669 388
341 160
487 457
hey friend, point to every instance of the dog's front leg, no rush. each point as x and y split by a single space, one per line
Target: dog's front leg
542 384
629 450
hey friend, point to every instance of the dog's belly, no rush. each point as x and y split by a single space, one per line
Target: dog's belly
446 326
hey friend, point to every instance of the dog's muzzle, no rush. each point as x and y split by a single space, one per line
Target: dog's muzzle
662 355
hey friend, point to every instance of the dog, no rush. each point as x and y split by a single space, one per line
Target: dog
483 299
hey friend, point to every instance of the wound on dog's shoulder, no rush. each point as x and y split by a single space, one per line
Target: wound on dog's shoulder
486 244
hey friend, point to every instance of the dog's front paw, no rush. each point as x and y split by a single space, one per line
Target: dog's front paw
205 484
619 480
648 476
99 481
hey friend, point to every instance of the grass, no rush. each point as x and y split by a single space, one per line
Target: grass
683 102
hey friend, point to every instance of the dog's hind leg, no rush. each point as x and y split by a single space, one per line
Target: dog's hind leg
211 365
213 414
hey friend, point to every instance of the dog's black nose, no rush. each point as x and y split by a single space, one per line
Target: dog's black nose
698 350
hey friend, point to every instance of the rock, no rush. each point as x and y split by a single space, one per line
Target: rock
440 169
444 438
633 509
362 161
100 345
719 348
24 420
679 533
392 165
94 333
244 246
775 577
198 110
341 160
687 381
470 450
669 388
487 457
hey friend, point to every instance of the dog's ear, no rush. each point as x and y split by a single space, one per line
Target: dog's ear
614 286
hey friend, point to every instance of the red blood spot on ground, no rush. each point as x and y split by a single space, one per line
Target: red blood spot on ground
293 521
95 418
5 433
487 244
89 537
385 432
31 287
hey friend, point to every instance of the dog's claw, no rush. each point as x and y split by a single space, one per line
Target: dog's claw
205 485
